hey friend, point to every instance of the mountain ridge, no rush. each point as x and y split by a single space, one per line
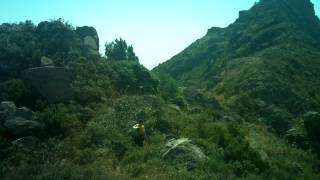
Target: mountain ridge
268 58
229 38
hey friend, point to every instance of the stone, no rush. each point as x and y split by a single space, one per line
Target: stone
90 40
46 61
7 110
27 141
88 31
175 107
20 127
195 110
24 112
52 83
312 115
183 151
90 43
90 47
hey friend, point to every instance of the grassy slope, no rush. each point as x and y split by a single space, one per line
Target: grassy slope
102 148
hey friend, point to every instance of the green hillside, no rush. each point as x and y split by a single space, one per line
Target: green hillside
239 103
264 67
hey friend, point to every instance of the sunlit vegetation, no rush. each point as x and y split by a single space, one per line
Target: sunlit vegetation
245 95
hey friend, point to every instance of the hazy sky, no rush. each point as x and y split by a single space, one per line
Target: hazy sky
157 29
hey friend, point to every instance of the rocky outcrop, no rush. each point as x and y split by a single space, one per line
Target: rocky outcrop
88 31
90 48
24 112
17 122
183 151
46 61
90 40
52 83
19 127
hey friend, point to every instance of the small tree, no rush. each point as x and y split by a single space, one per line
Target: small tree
131 55
119 50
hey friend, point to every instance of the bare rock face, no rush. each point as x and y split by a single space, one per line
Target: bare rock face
90 40
88 31
90 47
17 122
53 83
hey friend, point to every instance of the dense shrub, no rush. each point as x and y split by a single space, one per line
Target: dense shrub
13 90
236 148
278 119
17 46
57 120
168 87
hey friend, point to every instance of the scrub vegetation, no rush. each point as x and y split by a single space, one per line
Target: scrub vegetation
246 96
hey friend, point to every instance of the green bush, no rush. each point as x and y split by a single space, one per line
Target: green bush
278 119
13 90
57 120
236 149
88 94
16 90
168 87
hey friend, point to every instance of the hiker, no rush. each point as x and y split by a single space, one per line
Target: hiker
139 133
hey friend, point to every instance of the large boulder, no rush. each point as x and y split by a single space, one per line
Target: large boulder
53 83
90 40
24 112
46 61
88 31
7 110
90 47
90 43
20 127
183 151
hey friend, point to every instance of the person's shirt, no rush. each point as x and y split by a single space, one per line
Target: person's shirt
141 128
142 131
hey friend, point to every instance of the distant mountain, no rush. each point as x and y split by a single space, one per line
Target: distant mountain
268 58
267 24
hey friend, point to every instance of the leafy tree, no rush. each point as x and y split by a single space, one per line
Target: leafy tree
131 55
119 50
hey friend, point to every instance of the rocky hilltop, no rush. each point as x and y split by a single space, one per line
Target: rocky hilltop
264 66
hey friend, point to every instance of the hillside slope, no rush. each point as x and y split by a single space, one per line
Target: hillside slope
267 62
